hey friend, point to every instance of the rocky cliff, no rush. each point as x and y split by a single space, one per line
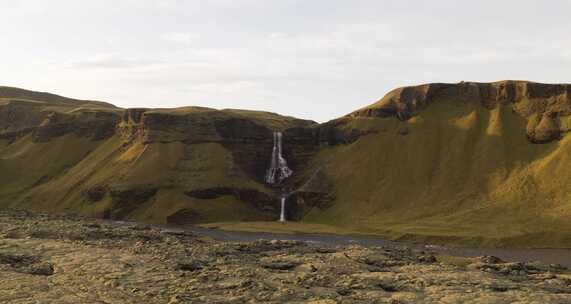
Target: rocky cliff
439 162
46 116
545 107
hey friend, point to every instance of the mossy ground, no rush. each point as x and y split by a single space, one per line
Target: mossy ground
68 259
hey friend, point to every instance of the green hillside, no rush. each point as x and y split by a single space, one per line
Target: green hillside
483 164
458 170
143 171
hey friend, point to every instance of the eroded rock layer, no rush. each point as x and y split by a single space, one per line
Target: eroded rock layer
546 107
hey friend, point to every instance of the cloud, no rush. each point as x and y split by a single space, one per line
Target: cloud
180 37
317 59
111 61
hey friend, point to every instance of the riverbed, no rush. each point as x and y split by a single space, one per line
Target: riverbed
548 256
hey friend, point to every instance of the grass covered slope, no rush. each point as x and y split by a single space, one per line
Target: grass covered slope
468 163
186 165
456 168
11 93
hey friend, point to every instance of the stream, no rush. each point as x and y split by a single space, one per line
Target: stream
546 256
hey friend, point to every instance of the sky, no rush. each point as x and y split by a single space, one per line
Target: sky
313 59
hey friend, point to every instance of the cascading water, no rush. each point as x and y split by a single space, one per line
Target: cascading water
282 214
278 170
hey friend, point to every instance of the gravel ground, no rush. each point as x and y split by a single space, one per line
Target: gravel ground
67 259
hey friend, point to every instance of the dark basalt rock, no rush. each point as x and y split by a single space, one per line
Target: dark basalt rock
250 143
190 266
258 199
168 127
95 194
278 265
27 264
17 116
44 126
301 202
124 201
316 192
42 269
427 259
335 132
17 260
99 127
490 259
242 131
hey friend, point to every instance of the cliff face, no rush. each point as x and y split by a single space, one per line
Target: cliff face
46 116
445 162
246 135
545 107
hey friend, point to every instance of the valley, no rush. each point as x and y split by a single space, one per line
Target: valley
467 164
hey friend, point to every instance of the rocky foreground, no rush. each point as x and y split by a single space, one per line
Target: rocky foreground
65 259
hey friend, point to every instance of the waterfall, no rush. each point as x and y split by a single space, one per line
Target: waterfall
282 214
278 170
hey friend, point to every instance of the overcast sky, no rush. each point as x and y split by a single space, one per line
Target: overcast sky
315 59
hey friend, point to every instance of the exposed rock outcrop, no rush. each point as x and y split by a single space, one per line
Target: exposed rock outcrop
184 217
134 263
316 192
47 116
543 128
95 194
260 200
95 125
125 201
543 105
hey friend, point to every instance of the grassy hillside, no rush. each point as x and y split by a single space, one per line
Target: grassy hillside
468 163
455 172
58 177
147 169
10 93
